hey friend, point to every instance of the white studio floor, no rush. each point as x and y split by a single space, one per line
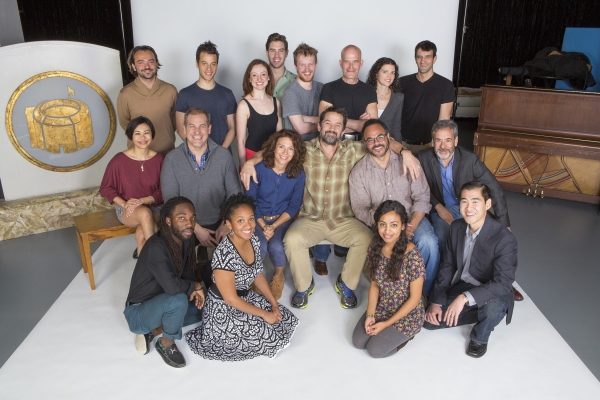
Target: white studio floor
82 349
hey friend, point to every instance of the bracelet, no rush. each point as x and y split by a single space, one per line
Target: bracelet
370 315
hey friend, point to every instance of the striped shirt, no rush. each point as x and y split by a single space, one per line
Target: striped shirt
326 193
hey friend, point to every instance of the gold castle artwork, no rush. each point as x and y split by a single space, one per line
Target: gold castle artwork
60 123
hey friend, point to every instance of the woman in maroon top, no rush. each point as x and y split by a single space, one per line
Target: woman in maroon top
132 182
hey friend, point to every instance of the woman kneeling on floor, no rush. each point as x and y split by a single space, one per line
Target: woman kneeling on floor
238 323
395 311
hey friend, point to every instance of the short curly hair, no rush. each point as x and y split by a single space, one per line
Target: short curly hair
372 77
296 165
207 47
233 202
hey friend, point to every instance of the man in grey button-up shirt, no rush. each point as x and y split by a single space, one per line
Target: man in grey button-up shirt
378 177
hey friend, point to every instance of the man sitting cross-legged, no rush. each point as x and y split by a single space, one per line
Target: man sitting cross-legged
165 294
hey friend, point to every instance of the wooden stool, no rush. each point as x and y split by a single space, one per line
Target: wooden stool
93 227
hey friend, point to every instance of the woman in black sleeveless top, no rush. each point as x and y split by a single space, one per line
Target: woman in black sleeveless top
258 112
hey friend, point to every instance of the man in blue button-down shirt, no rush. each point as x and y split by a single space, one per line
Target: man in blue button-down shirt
447 167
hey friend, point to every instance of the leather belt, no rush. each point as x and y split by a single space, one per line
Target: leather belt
271 218
215 292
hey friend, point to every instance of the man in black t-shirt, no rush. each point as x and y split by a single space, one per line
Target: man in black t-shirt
356 97
428 98
164 294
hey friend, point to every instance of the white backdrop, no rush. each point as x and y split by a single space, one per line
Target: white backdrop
240 29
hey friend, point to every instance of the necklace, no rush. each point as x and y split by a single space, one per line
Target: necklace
141 161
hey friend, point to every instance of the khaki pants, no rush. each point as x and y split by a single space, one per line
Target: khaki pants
305 233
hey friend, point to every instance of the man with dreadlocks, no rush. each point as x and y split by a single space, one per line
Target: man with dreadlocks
165 295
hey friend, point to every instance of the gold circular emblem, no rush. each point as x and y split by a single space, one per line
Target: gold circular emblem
60 121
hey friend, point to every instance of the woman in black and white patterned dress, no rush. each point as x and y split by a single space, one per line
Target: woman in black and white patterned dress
239 324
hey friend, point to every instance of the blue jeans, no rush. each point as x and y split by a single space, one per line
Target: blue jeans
172 312
442 228
321 251
485 317
427 243
275 245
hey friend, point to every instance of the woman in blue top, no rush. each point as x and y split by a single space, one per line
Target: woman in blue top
278 195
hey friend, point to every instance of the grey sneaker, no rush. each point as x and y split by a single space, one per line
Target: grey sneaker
347 298
300 299
171 355
143 342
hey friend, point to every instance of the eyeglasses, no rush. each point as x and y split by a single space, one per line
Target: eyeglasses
378 138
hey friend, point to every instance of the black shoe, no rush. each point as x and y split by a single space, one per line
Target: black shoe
171 355
339 254
143 342
476 350
347 297
135 254
300 299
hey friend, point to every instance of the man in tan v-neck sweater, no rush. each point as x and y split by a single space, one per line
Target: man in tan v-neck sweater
149 96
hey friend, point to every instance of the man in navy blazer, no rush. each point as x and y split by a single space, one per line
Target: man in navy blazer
474 282
447 167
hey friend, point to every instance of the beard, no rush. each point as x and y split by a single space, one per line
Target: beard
303 79
372 150
328 139
179 234
445 155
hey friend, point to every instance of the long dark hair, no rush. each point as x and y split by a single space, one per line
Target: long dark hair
166 232
296 165
372 77
393 267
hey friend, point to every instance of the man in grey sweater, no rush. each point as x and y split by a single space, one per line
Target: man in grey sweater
204 172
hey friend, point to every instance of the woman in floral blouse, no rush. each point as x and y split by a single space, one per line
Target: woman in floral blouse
395 311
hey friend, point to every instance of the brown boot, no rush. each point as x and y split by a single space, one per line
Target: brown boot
321 267
277 286
517 295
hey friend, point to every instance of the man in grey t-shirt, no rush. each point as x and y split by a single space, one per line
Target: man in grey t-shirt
300 102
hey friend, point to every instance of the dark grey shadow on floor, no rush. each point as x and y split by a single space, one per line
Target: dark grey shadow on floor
559 267
34 271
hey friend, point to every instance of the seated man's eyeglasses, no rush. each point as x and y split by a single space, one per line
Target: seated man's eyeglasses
378 138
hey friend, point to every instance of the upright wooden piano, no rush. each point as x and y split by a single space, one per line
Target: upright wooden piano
541 142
